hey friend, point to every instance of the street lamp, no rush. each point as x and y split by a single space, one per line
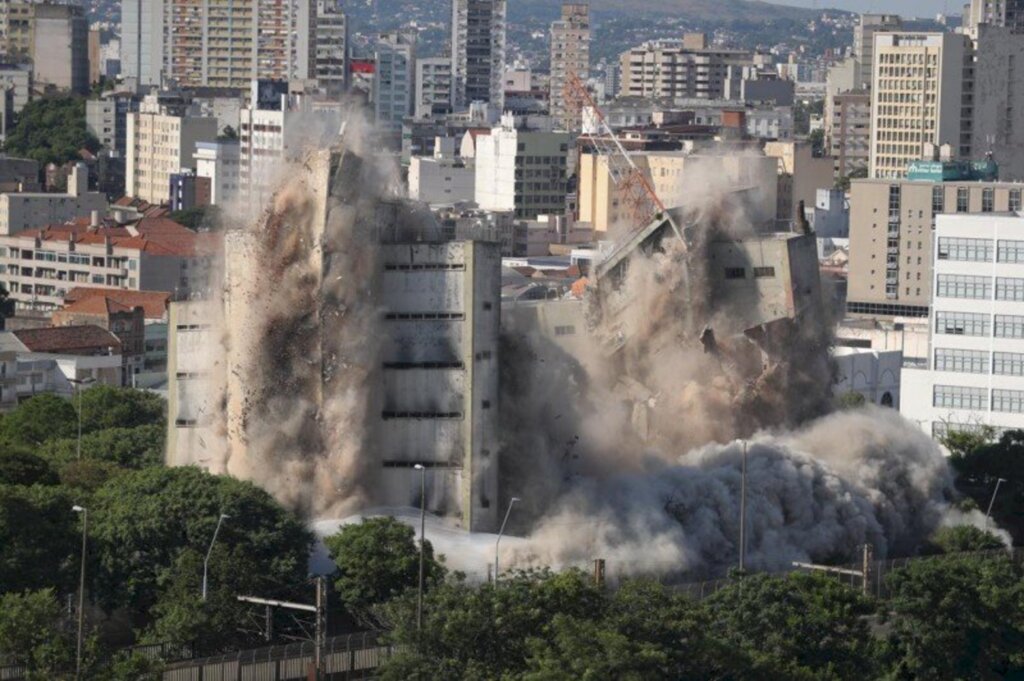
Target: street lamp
81 589
992 501
423 527
497 543
743 508
206 561
78 383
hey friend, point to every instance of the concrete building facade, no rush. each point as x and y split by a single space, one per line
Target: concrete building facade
522 170
331 36
975 373
678 69
1006 13
433 87
478 52
20 211
848 134
142 41
570 54
891 228
60 47
394 79
219 163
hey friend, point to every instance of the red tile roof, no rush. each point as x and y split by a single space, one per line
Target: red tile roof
156 236
103 305
153 303
56 339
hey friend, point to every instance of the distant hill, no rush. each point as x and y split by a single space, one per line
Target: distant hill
701 10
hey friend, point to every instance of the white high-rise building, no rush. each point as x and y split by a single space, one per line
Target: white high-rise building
975 372
570 54
331 52
945 88
394 79
521 170
478 52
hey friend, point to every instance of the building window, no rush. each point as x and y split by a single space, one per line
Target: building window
961 199
1009 288
962 361
1011 401
1011 251
959 397
764 272
964 286
938 199
894 201
565 330
735 273
1009 326
1015 200
965 250
1008 364
988 200
962 324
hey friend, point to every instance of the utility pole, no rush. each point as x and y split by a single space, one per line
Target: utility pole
992 501
81 590
497 543
78 383
743 507
423 529
206 561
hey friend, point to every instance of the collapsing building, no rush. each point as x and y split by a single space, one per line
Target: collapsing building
351 345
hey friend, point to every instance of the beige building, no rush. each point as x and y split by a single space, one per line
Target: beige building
801 175
945 88
570 54
25 210
161 141
678 178
891 225
849 132
678 69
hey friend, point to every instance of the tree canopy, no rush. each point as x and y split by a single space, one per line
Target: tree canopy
51 129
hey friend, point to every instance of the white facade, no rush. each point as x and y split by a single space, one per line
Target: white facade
873 374
522 171
770 124
433 87
219 162
975 374
27 210
441 180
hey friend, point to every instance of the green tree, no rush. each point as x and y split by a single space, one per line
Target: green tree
51 129
133 448
965 538
38 419
200 217
105 407
144 522
960 617
39 538
377 560
18 466
647 633
796 627
483 632
851 400
32 634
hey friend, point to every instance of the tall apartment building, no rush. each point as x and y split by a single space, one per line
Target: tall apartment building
975 371
522 170
849 136
864 44
675 69
1006 13
107 119
219 43
394 79
570 54
331 35
891 227
60 47
945 88
433 87
161 141
478 52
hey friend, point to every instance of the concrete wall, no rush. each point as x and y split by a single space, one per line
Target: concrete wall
19 212
440 181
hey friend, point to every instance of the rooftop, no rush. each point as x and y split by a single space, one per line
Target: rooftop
156 236
153 303
57 339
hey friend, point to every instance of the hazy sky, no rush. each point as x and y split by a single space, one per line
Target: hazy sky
904 7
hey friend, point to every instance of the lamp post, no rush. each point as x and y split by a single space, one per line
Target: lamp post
78 383
81 590
206 561
423 527
743 508
501 531
992 501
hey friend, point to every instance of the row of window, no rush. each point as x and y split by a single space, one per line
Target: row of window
978 362
979 324
978 399
975 287
980 250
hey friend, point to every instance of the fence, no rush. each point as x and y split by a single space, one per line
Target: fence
355 656
878 571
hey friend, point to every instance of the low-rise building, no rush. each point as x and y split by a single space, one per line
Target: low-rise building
28 210
127 323
219 163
